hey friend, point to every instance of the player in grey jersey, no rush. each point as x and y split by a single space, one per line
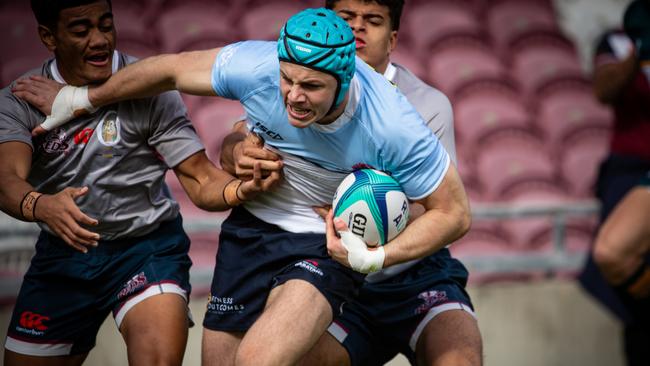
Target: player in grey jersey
419 308
112 237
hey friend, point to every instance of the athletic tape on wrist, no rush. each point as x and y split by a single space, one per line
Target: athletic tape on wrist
70 102
28 205
360 257
230 196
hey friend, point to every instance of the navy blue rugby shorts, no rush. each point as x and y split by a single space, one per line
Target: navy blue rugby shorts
388 317
254 257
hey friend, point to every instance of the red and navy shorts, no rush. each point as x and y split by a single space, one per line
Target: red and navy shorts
388 317
66 295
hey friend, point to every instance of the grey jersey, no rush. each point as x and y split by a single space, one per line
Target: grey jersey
435 109
121 153
431 104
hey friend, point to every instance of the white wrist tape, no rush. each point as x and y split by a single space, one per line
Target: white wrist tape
70 102
360 257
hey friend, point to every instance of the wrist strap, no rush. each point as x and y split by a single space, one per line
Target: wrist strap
28 205
230 196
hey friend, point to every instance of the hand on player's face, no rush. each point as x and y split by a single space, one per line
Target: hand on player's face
63 216
250 151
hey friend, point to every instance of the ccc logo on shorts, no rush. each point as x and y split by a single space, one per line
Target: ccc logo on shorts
31 320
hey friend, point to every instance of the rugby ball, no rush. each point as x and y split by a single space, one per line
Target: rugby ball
373 205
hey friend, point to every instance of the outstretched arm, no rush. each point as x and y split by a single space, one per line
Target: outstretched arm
59 211
188 72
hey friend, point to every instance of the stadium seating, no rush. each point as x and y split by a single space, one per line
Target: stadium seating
565 109
459 61
510 159
265 21
189 27
488 107
214 121
580 159
428 23
506 20
22 49
542 57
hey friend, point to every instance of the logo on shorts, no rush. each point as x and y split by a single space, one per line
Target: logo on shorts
309 265
32 323
56 142
134 284
109 129
223 305
431 299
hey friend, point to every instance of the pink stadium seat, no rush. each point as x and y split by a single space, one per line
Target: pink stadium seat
537 191
20 38
265 21
460 61
508 19
486 108
402 55
510 159
214 121
430 22
580 160
567 109
541 58
485 238
134 35
191 27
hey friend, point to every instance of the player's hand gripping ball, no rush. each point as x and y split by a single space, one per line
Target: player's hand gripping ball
373 205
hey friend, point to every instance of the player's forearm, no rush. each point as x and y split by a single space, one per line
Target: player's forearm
446 219
611 79
144 78
427 234
15 160
187 72
227 158
204 183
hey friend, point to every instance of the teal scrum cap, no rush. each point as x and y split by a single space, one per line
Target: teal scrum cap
320 40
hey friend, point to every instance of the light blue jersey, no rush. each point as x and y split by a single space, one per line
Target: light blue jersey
364 135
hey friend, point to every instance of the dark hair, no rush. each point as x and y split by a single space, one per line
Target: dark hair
394 9
47 11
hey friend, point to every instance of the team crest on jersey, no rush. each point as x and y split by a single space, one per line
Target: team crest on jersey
56 141
109 129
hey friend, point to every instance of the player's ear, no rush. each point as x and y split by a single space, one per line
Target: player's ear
393 41
47 37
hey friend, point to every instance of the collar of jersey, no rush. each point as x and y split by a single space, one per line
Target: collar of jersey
54 69
353 101
390 72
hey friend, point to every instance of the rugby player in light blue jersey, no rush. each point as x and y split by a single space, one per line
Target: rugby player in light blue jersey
281 274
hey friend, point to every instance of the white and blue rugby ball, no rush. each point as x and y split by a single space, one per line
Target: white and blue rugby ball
373 205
